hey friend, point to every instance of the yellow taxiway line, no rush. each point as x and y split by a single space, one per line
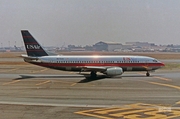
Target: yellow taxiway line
166 79
133 111
162 84
157 77
9 70
107 111
73 84
93 115
43 83
178 102
40 70
11 82
129 113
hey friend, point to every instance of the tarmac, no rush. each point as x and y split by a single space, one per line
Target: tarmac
28 91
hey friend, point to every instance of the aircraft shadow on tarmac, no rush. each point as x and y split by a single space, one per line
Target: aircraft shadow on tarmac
85 80
47 76
90 79
99 77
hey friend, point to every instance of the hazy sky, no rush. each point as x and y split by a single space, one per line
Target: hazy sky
85 22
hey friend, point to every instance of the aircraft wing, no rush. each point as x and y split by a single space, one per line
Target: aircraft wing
94 68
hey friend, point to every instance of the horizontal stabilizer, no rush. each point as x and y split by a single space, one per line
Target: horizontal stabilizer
29 57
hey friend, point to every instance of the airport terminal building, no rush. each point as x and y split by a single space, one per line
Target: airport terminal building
107 46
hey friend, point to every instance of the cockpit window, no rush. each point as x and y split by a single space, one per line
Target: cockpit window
155 60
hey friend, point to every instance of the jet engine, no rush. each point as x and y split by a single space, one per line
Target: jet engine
113 71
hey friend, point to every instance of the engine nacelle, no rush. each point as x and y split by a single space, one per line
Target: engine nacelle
113 71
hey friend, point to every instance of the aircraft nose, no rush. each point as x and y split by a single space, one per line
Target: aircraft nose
162 64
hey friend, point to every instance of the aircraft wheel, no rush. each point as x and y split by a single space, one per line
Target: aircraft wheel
147 74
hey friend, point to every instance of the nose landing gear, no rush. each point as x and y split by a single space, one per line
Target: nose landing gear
147 74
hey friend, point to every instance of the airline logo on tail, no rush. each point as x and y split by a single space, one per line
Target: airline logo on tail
33 47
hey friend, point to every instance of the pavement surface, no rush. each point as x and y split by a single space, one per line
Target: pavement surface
28 91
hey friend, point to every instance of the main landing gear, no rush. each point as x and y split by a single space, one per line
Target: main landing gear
93 74
147 74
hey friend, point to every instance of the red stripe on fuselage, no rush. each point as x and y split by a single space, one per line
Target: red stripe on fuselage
99 64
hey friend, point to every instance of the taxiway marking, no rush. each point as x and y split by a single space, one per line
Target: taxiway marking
86 113
11 82
10 70
157 77
40 70
166 79
64 82
73 84
43 83
133 111
162 84
178 102
111 110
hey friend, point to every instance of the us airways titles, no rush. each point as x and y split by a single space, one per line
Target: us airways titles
35 47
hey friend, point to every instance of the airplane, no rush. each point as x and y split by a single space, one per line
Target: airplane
107 65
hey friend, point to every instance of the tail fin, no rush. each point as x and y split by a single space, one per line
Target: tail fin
33 48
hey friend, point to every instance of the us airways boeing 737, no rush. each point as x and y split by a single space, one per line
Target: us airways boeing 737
108 65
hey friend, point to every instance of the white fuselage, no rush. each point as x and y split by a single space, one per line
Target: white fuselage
79 63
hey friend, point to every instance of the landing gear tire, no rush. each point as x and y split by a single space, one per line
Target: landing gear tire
93 74
147 74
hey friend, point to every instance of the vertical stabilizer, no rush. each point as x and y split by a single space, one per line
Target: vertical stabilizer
33 48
